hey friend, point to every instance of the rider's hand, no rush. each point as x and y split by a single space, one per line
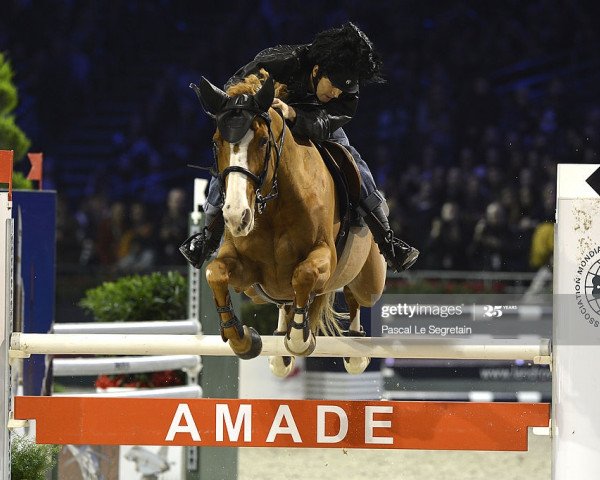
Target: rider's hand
288 112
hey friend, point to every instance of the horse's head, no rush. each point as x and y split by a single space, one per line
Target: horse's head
244 145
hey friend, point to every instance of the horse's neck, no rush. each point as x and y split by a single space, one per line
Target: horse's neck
301 172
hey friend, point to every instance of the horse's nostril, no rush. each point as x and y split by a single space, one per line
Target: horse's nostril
245 220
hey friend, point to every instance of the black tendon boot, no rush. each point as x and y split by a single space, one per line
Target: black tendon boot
198 247
398 254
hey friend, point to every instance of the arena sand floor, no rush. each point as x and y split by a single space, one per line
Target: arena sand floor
338 464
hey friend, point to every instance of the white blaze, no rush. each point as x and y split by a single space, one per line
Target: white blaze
236 202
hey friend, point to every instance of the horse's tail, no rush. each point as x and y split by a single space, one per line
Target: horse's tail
324 317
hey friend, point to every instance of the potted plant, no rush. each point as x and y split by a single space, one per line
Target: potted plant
156 296
30 461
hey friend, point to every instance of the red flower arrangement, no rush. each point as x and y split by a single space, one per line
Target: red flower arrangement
164 378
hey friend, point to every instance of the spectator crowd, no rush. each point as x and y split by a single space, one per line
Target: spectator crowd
482 101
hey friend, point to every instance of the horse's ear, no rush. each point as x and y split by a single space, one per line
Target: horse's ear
212 98
264 97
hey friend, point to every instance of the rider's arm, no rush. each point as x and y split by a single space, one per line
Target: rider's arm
319 122
279 61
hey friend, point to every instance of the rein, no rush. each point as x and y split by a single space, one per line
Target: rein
258 180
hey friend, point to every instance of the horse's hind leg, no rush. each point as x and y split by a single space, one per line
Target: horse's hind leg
282 366
364 291
354 365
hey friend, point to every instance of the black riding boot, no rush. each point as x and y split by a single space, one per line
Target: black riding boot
398 254
198 247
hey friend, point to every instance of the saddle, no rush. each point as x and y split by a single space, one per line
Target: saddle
346 178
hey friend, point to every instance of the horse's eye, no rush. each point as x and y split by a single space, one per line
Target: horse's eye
262 142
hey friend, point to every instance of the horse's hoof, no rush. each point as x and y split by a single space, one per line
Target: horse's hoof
255 344
281 366
303 350
356 365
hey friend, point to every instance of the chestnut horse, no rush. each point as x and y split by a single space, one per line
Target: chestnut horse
282 216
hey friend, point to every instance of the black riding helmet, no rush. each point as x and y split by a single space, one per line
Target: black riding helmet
346 56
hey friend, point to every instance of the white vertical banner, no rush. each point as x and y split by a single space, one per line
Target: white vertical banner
200 185
6 271
576 329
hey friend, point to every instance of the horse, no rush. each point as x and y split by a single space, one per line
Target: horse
280 245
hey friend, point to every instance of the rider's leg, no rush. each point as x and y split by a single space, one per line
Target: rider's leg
373 208
197 248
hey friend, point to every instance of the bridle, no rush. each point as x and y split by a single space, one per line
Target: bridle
257 180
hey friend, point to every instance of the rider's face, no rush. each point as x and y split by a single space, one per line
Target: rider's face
326 91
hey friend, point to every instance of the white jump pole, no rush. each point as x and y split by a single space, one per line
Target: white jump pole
576 336
374 347
185 391
67 367
188 326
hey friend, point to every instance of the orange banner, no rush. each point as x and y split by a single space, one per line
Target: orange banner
282 423
6 169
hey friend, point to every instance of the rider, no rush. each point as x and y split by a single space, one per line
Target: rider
323 80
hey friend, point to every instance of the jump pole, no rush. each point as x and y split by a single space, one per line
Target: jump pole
212 345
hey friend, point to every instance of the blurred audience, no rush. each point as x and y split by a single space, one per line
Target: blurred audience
492 246
173 227
447 240
482 101
139 242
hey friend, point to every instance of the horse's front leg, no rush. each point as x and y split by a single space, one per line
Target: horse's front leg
244 341
309 276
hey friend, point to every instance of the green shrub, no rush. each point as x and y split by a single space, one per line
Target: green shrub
8 97
20 182
31 461
157 296
6 71
11 136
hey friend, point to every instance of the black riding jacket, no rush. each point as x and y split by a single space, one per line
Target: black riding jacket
289 64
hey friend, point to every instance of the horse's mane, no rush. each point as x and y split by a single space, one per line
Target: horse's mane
252 83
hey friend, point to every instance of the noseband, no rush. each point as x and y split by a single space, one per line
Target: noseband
257 180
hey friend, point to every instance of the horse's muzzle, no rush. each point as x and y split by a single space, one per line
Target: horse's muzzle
239 224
